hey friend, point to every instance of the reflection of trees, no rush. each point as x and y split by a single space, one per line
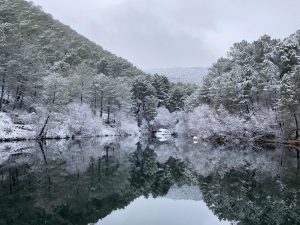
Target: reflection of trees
151 177
27 196
240 196
86 181
47 192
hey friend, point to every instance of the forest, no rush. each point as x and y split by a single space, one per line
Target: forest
55 83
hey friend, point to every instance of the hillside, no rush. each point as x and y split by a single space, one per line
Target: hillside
31 34
56 83
193 75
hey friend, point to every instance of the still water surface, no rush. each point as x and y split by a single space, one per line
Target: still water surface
162 211
122 182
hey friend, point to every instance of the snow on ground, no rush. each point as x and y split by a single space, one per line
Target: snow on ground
78 120
9 130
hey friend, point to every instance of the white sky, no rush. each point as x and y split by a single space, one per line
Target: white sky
175 33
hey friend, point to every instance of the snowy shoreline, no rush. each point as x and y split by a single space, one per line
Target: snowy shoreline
204 123
77 122
22 139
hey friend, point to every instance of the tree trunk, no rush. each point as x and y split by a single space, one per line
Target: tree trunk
298 160
8 95
16 98
95 100
21 103
101 105
297 127
54 97
34 93
42 132
2 91
81 94
19 94
40 135
20 97
247 108
108 112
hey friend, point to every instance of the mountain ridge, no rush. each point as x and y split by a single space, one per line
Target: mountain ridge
193 75
31 26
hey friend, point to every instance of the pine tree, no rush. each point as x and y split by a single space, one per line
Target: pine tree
290 98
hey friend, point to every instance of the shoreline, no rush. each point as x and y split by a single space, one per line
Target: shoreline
20 139
292 143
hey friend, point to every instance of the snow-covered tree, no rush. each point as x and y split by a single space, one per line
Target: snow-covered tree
290 99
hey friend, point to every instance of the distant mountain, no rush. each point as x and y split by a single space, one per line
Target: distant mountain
192 75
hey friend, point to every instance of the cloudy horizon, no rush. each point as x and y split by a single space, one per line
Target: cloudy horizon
177 33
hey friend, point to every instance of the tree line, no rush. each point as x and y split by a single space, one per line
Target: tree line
264 74
44 63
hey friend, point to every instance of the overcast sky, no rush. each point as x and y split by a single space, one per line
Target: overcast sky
175 33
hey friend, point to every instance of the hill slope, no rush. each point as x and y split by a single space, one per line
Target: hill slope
27 28
60 84
50 74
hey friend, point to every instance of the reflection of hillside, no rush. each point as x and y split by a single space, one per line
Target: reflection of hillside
50 193
242 183
239 195
79 183
205 158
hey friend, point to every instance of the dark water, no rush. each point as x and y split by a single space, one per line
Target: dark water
110 182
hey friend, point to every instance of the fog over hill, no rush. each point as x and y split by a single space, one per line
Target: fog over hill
192 75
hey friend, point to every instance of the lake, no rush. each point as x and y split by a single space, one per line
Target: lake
129 182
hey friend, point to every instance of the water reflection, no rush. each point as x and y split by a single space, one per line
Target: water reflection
107 180
161 211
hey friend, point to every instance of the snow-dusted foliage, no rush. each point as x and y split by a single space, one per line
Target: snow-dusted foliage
127 125
263 74
82 121
207 123
79 120
204 122
164 119
181 126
